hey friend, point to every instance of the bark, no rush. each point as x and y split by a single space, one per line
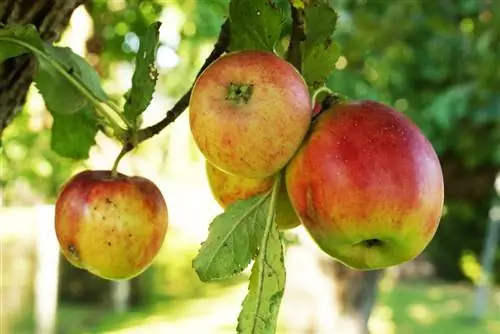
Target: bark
16 74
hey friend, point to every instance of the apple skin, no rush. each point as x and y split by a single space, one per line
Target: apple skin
249 112
316 108
112 227
366 172
227 189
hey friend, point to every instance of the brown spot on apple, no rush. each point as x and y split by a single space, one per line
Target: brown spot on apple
95 233
72 250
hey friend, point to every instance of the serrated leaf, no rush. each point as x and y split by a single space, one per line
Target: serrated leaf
145 75
319 64
75 123
321 20
320 53
259 313
233 239
73 135
60 96
23 33
254 24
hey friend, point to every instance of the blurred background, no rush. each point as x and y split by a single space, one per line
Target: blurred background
436 61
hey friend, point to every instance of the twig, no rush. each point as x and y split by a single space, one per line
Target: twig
219 48
298 35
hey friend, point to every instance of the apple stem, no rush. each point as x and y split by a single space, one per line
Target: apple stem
329 101
114 170
320 90
239 93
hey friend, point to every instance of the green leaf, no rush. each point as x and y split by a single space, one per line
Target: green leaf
145 75
319 63
233 239
321 20
61 96
297 3
320 53
73 135
67 83
450 106
259 313
254 24
26 34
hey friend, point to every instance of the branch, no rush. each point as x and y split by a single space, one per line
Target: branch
219 48
294 53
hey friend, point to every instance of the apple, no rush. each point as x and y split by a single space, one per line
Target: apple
111 226
367 185
249 112
227 189
316 108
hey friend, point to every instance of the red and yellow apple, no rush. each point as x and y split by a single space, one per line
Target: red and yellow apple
227 189
249 112
111 226
367 185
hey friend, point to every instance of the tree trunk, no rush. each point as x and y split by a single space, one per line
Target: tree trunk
16 74
337 299
355 294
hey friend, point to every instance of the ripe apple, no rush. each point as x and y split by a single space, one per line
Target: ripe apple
227 189
111 226
249 112
367 185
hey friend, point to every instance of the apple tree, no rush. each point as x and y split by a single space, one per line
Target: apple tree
299 32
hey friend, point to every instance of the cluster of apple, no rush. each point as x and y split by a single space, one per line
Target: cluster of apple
360 176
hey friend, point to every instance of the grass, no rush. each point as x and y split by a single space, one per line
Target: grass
430 308
74 319
436 308
407 308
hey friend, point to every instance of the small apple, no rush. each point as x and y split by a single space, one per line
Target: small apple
248 113
227 189
367 185
111 226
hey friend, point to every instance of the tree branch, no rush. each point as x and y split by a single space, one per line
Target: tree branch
219 48
294 53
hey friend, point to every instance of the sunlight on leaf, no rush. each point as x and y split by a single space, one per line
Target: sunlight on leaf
259 313
320 53
145 75
233 239
255 24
